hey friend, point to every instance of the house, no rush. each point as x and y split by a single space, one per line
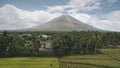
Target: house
47 43
117 46
28 43
29 35
109 46
42 48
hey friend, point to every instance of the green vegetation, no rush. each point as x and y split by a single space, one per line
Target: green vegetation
28 62
87 45
108 59
113 53
14 44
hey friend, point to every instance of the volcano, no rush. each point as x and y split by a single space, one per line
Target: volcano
64 23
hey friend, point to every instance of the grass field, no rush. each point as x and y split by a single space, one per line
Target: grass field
110 58
28 62
113 53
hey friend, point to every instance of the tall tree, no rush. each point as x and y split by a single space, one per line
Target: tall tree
96 38
5 44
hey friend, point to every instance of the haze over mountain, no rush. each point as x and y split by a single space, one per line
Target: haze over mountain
63 23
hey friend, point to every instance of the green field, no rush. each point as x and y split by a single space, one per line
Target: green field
28 62
110 58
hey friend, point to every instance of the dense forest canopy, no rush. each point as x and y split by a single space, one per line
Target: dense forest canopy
62 43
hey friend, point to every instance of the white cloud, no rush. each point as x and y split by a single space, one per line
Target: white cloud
112 20
15 18
76 5
109 21
55 8
80 5
86 5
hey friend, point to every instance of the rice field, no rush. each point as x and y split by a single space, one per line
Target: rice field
110 58
29 62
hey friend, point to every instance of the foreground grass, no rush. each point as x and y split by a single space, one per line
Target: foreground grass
108 59
28 62
113 53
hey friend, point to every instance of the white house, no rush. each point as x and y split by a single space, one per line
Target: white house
47 43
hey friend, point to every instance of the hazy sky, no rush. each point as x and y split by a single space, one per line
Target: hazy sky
16 14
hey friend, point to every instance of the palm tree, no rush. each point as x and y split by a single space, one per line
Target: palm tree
4 41
97 38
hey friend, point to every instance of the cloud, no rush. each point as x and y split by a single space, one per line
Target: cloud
112 20
15 18
76 5
112 1
12 17
86 5
55 8
109 21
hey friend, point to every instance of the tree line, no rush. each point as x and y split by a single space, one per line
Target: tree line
63 43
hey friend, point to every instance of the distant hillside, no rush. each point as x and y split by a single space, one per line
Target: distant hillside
63 23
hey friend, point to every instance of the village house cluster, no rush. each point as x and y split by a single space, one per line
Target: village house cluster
45 44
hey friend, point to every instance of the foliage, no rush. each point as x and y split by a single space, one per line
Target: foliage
63 43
